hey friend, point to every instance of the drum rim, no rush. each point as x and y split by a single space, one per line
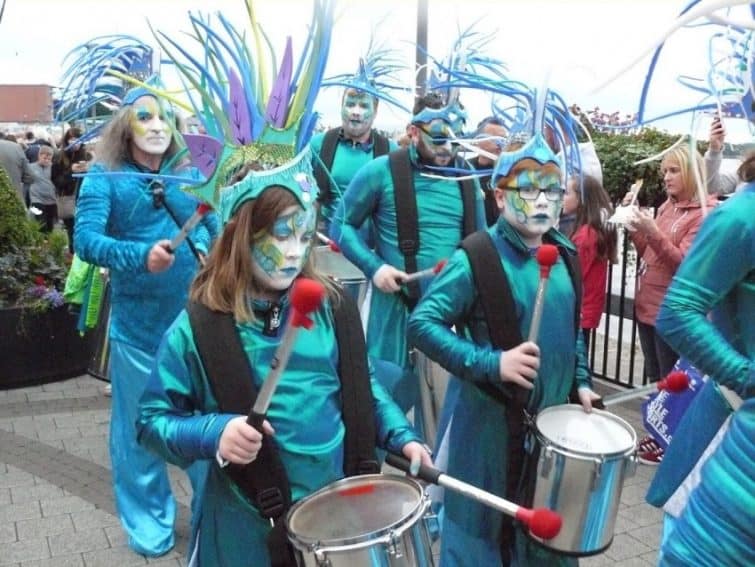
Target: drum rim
312 544
569 451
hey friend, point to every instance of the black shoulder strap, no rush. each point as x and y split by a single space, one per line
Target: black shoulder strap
407 217
468 198
381 145
327 155
356 392
264 481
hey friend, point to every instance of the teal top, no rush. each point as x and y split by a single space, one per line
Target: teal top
348 159
371 196
180 420
717 276
478 439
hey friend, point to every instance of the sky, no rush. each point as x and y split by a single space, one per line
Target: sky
576 44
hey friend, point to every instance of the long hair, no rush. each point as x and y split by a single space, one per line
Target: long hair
681 156
593 210
226 281
746 170
114 147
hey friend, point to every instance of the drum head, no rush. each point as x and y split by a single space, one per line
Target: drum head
335 265
350 510
595 433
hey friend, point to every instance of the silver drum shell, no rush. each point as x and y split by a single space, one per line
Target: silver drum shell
584 488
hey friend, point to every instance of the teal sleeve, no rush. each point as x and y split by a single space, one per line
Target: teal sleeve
169 422
393 429
449 301
583 376
92 243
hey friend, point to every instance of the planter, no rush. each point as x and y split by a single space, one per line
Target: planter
36 348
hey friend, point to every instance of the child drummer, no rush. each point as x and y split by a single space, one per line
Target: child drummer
498 383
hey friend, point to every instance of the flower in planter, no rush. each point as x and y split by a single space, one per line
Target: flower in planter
41 297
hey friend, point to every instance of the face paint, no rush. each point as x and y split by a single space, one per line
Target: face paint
150 125
279 255
357 114
434 143
532 203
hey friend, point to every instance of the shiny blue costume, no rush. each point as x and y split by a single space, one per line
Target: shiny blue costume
371 196
116 226
478 438
717 527
180 419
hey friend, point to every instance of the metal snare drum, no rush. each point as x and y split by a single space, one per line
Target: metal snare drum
584 459
369 520
335 265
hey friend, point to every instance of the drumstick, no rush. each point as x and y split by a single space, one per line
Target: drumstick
543 523
306 296
547 255
331 244
202 210
425 273
675 383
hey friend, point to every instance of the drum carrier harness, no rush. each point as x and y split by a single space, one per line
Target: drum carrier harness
498 306
264 481
380 147
407 217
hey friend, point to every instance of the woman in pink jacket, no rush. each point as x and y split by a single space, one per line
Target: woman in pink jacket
661 244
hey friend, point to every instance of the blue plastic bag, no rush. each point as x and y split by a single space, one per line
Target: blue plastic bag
662 411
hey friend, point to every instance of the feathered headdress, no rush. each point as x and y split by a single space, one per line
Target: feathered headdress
252 109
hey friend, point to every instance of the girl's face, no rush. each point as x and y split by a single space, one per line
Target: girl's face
571 198
671 171
150 126
279 255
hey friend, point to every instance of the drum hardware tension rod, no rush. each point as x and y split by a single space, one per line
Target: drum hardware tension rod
676 382
543 523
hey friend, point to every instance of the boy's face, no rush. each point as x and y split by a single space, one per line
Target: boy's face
45 159
357 113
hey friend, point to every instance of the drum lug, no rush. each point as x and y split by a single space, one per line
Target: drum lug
394 545
596 471
321 558
631 468
547 458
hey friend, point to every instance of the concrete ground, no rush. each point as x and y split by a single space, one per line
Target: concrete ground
56 505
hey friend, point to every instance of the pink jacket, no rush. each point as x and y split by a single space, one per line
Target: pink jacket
661 254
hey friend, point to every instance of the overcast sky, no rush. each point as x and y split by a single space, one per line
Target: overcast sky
580 42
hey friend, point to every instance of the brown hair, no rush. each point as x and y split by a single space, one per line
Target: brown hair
594 208
226 280
746 170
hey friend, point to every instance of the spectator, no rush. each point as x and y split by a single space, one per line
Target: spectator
73 158
719 183
44 205
15 164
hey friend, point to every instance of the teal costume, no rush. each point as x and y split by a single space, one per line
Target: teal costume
180 420
718 275
116 226
371 196
477 436
348 159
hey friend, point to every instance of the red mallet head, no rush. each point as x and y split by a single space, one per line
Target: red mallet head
334 247
203 208
546 256
675 382
306 297
439 266
543 523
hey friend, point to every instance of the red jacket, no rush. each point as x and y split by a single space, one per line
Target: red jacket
594 275
661 254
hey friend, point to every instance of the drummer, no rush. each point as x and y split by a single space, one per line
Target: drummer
529 190
269 214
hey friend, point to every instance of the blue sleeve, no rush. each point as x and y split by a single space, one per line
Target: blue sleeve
448 302
393 429
91 242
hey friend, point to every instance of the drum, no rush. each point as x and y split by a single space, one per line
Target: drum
335 265
365 521
583 462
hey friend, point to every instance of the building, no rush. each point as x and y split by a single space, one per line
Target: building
26 104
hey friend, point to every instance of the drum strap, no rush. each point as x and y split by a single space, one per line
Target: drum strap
380 147
265 481
407 216
499 309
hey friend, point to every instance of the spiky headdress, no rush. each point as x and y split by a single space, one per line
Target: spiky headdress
247 117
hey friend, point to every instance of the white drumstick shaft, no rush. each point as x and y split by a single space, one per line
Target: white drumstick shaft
629 395
496 502
537 313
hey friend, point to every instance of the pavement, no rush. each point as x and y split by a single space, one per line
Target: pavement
56 504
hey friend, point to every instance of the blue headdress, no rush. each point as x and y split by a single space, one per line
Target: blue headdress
247 117
376 75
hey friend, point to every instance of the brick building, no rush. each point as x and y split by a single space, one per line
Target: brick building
26 103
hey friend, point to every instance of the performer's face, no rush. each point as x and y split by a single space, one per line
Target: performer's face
531 199
357 113
150 126
279 255
433 142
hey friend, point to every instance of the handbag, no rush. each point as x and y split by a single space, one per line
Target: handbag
66 206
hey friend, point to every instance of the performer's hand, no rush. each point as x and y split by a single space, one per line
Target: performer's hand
586 397
519 365
417 454
159 259
388 279
240 442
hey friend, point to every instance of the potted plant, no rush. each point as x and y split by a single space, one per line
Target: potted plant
39 341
